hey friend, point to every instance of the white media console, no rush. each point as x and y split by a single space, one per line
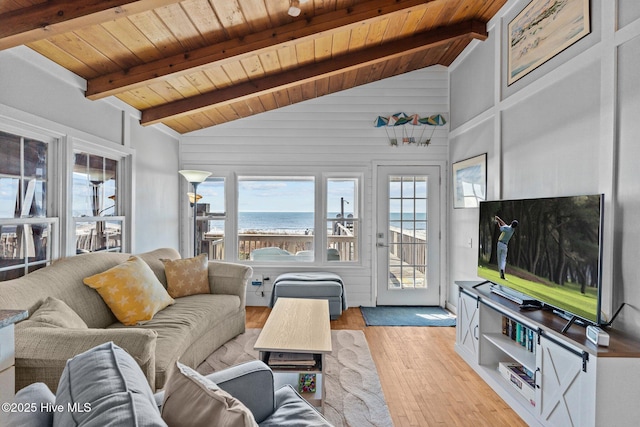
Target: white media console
575 382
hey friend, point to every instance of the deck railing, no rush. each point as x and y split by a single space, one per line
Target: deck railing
409 246
213 244
402 244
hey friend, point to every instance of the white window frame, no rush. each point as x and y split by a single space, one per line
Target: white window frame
293 176
52 244
321 174
213 215
62 142
53 141
125 184
358 210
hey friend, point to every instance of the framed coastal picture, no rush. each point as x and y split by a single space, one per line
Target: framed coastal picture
542 30
470 182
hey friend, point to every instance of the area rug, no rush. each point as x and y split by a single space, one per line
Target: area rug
407 316
353 393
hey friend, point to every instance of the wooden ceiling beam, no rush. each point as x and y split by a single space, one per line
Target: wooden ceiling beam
40 21
254 44
466 30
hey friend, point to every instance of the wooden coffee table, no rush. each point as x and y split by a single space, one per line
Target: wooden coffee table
293 342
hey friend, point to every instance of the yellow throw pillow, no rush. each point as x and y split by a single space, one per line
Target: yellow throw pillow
131 290
187 276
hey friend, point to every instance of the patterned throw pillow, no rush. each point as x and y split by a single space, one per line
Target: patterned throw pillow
187 276
190 396
131 290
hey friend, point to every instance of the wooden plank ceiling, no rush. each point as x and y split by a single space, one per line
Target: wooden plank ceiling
197 63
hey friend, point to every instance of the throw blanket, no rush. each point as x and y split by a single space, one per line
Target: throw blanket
312 276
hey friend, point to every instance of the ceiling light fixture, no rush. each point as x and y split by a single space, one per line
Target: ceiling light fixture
294 7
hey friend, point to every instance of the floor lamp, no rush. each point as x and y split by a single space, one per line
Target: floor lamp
195 178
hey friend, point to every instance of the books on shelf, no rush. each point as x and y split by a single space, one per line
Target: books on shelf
519 333
292 360
520 378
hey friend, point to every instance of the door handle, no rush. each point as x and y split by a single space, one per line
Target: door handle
381 245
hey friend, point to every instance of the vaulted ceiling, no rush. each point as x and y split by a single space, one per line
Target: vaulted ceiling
197 63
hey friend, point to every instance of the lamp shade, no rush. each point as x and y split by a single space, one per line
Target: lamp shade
194 176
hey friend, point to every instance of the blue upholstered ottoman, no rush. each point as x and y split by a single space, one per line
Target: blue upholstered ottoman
314 285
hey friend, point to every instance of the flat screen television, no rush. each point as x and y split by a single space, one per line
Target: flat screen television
554 254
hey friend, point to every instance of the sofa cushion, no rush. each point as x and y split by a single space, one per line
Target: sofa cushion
293 410
191 399
32 400
184 322
106 387
56 313
187 276
131 290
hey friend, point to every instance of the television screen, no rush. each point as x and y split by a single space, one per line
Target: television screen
548 249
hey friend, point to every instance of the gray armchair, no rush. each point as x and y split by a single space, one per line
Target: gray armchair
252 384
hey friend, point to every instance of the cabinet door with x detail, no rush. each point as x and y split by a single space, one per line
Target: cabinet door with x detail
467 329
566 386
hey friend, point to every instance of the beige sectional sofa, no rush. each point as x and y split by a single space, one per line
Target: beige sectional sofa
187 331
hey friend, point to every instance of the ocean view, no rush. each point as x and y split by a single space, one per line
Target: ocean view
299 222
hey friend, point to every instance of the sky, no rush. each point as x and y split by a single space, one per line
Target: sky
7 197
278 195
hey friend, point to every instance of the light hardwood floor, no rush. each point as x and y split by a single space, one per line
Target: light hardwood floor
425 383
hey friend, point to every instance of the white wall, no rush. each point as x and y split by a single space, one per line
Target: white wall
39 93
569 127
157 203
332 132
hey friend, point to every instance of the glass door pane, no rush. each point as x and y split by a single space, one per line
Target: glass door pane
407 255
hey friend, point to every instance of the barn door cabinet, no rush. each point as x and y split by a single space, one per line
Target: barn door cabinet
574 382
467 330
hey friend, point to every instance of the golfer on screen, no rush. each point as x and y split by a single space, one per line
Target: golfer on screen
503 240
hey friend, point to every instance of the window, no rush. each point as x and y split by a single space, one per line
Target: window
342 219
83 209
211 217
269 218
276 219
27 233
95 211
